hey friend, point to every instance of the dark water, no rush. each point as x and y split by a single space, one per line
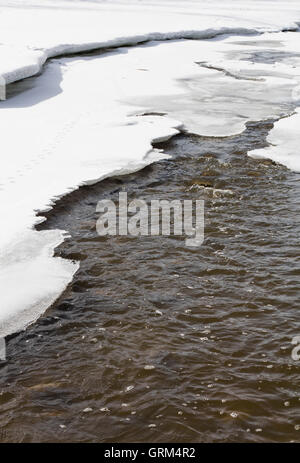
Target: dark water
215 323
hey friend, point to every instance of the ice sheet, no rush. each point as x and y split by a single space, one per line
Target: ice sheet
32 31
85 118
284 141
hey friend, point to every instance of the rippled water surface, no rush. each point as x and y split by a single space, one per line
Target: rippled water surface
156 342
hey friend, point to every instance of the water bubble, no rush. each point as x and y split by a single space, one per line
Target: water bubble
149 367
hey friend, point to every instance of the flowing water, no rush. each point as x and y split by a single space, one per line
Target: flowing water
157 342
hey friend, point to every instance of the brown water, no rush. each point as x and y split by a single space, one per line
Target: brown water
215 323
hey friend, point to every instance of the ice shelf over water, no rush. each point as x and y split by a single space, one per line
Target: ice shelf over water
85 118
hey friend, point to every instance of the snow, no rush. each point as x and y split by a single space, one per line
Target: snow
32 31
66 136
284 143
85 118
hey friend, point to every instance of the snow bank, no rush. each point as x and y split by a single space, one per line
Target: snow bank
284 141
85 118
32 31
65 131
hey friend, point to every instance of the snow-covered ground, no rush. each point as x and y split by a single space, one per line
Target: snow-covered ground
85 118
34 30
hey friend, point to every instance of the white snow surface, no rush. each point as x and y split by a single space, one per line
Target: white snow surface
284 143
34 30
85 118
